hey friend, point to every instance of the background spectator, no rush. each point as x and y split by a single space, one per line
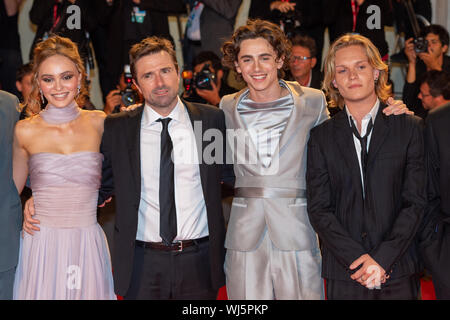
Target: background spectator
54 17
130 21
418 63
219 86
302 62
217 21
435 89
114 101
24 81
24 84
352 16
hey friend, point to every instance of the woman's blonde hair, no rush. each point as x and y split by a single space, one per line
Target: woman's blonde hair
382 88
56 45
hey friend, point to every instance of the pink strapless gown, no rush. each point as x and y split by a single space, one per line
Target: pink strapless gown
69 257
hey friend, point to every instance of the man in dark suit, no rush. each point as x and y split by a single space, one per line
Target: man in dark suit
10 207
436 236
169 229
365 181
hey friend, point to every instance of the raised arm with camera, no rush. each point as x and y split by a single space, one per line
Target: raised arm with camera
426 52
207 82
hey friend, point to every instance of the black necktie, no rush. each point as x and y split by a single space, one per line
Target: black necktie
363 142
168 214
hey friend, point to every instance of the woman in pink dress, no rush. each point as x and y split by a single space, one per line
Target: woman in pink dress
68 258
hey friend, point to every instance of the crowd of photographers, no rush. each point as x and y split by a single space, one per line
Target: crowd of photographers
112 26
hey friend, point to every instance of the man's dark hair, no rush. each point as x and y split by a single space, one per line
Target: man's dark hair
439 83
306 42
208 56
23 71
148 46
439 31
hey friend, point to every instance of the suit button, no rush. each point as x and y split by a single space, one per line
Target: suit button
363 235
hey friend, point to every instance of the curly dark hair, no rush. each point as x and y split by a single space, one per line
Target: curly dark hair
252 30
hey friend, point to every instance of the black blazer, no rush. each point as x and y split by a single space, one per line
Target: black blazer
435 237
386 224
122 177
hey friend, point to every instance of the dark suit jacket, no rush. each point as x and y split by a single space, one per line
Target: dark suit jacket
385 225
435 240
122 176
10 207
316 79
217 23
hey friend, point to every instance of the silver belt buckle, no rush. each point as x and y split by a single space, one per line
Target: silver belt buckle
181 246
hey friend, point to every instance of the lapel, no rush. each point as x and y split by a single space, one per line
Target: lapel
133 133
379 134
196 115
344 139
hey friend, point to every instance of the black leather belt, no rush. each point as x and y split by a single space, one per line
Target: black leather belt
176 246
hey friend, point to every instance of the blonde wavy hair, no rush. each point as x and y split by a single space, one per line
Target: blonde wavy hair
56 45
382 88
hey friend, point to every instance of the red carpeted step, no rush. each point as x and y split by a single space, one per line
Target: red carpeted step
427 289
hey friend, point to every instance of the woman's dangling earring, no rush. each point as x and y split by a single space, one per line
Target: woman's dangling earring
42 96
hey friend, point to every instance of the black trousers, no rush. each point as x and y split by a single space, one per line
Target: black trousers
163 275
406 288
442 291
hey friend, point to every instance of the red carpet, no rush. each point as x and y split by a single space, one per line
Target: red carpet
426 284
427 289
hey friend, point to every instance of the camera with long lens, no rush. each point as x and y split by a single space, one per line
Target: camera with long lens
129 95
420 45
203 79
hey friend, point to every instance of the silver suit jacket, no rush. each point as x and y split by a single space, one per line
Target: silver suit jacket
272 197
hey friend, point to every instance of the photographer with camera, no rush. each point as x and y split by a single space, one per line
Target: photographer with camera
431 50
208 83
124 95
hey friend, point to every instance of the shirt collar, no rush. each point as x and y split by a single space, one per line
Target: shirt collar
372 113
150 116
310 79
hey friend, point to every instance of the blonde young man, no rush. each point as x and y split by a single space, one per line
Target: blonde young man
365 181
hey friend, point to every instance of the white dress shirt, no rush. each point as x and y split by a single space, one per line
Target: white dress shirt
365 121
190 206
